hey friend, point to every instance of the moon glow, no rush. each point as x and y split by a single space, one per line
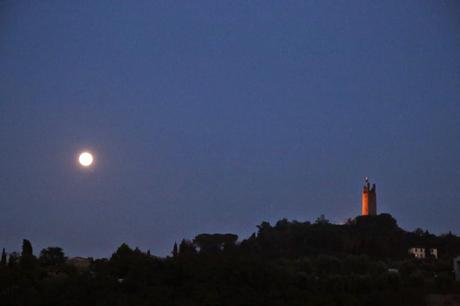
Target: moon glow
85 159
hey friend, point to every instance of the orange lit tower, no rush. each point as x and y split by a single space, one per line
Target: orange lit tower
369 207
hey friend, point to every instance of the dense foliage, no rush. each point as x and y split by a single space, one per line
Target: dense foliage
363 262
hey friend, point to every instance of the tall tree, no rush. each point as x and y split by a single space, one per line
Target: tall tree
186 248
26 248
3 260
175 251
27 257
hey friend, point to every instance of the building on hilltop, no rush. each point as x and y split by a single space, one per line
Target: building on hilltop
422 252
369 202
417 252
81 263
457 268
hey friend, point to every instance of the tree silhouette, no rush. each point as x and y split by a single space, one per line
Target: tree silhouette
3 260
186 248
27 257
175 252
27 250
123 251
13 259
290 263
52 256
322 220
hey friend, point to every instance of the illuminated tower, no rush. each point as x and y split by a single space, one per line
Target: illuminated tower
369 207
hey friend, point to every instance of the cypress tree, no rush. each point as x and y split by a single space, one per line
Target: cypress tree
27 257
174 251
27 250
3 260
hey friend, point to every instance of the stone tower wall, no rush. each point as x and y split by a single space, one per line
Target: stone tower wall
369 200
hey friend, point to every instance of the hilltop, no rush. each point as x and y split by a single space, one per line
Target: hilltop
362 262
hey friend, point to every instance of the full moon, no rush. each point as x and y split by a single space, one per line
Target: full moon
85 159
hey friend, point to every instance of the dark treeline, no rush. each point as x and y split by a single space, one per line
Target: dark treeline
362 262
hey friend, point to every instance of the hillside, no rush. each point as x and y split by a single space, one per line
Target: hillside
362 262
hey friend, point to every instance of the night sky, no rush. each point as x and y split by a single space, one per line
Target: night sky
215 116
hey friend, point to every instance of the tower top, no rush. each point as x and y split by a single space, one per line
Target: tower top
367 185
369 198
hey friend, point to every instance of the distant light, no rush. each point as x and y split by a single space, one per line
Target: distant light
85 159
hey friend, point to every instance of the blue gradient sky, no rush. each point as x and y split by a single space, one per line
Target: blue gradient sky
213 116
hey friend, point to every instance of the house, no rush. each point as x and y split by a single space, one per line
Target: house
417 252
422 253
434 253
457 268
81 263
